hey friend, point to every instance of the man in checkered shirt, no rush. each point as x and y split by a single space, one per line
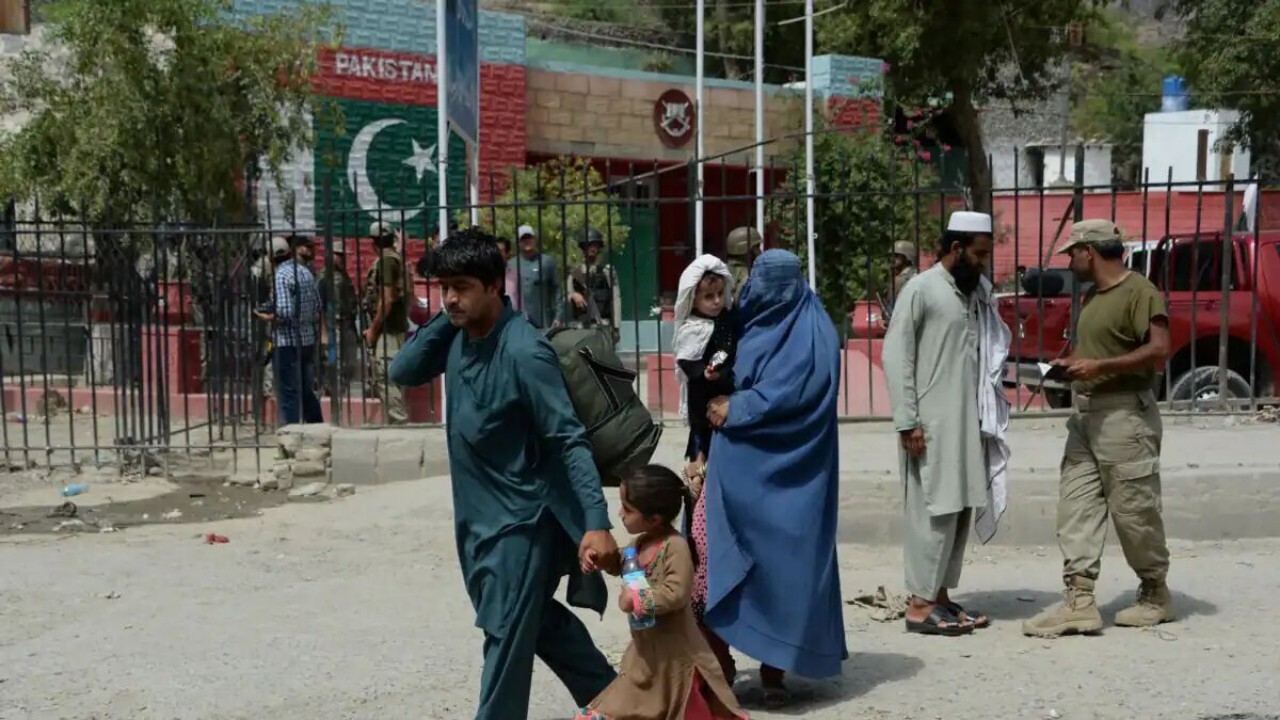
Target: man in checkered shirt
296 320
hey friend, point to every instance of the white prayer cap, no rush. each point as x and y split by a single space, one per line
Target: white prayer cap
524 232
972 223
279 246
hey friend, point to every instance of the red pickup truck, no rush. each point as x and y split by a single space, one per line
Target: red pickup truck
1188 269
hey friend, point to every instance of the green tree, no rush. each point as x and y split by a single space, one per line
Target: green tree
1108 87
866 202
139 108
561 198
975 51
1228 52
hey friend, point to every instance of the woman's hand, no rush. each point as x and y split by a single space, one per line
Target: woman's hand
625 603
718 411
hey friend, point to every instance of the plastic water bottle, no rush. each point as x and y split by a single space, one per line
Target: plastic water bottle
73 490
633 575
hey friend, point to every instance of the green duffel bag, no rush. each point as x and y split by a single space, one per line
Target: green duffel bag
623 434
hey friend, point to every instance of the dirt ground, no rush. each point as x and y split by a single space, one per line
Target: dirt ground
353 608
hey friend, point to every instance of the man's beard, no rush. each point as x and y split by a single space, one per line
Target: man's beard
966 274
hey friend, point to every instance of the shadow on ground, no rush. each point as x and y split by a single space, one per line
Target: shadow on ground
186 503
861 673
1024 604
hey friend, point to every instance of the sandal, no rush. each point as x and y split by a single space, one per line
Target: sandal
977 618
933 625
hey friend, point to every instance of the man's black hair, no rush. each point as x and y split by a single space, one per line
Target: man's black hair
1109 249
298 241
469 253
950 238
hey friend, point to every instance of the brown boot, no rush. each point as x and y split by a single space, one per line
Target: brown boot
1077 613
1153 606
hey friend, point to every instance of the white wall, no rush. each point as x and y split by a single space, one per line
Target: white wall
1170 140
1097 165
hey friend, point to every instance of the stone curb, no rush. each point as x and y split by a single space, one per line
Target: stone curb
1202 501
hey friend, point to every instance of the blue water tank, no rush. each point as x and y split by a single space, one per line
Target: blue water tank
1175 98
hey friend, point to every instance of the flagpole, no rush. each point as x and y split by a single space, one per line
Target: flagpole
475 158
699 121
442 152
808 140
760 120
442 118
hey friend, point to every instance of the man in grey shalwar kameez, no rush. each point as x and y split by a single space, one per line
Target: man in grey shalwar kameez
931 363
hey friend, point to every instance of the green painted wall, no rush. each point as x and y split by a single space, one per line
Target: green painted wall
539 51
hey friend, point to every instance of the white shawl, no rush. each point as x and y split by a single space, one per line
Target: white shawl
692 333
993 409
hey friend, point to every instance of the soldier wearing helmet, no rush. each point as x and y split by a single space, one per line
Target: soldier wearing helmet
593 284
904 268
741 248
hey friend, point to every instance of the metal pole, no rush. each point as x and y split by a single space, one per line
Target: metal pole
475 183
760 120
1224 316
808 140
475 150
442 150
442 118
699 122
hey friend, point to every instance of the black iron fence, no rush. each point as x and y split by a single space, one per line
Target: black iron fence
162 336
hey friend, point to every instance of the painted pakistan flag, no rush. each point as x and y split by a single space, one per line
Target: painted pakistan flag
386 168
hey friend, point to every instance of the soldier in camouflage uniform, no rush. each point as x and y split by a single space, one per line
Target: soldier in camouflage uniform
338 295
904 268
264 274
741 249
387 314
595 294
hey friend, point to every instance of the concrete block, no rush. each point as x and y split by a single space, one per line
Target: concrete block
313 454
355 456
308 469
400 454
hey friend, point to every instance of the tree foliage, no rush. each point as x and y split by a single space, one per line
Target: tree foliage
139 108
1229 54
1114 89
866 202
561 199
978 51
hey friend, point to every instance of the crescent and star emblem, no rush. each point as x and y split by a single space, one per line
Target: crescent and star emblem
422 160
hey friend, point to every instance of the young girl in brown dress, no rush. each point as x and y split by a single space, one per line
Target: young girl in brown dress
669 671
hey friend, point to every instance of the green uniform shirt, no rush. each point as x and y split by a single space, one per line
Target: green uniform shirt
388 271
1115 322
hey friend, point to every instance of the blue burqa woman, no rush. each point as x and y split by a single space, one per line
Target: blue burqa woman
773 586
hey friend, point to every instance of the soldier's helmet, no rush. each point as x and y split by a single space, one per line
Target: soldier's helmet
906 250
740 241
591 236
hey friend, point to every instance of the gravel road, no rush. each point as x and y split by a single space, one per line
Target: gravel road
354 609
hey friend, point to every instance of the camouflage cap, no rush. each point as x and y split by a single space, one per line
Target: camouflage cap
1091 232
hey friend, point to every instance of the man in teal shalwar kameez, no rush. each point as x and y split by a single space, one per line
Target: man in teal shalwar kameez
528 506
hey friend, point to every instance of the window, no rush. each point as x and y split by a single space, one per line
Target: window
1195 265
15 17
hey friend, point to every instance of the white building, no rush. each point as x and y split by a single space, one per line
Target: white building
1192 144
